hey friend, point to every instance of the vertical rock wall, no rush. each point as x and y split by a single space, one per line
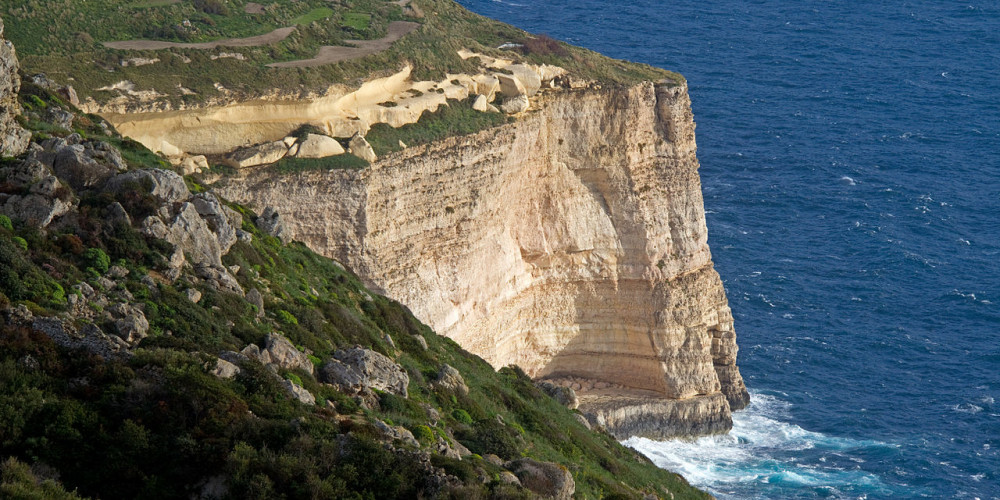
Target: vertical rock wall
571 242
13 139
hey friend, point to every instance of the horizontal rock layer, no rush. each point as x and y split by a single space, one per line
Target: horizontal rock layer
571 242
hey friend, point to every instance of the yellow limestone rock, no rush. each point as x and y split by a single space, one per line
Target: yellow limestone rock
360 148
261 154
571 242
319 146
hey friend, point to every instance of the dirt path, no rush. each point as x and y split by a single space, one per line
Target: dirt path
333 54
253 41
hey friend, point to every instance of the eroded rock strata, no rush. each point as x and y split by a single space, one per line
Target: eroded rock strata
571 242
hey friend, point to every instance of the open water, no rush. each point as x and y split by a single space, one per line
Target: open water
850 158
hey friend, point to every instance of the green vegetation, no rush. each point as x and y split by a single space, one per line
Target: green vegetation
357 21
457 118
345 161
64 40
313 15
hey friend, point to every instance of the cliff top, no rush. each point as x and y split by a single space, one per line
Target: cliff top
190 52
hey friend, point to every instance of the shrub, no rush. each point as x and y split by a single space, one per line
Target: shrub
287 318
6 223
423 434
21 242
543 45
97 259
462 416
294 378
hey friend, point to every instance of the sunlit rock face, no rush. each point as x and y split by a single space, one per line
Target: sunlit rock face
571 242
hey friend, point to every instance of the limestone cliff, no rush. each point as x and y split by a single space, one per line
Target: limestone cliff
571 242
13 138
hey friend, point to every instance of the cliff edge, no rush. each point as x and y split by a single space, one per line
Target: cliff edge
571 242
13 139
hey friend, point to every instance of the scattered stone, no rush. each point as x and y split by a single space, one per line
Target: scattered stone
528 78
359 147
357 368
164 184
510 86
544 478
116 214
421 340
402 145
61 118
131 323
481 104
193 164
515 105
261 154
285 355
254 297
225 369
298 392
508 477
583 420
393 433
319 146
293 150
451 380
69 93
117 272
193 295
233 357
566 396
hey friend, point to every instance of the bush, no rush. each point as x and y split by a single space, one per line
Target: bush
462 416
287 318
423 434
6 223
97 259
543 45
21 242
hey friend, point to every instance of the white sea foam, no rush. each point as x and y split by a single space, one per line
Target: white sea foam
760 450
847 180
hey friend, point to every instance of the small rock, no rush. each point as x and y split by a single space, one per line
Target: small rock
254 298
508 477
193 295
356 369
359 147
564 395
544 478
481 104
298 392
225 369
583 420
116 272
450 379
285 355
515 105
319 146
510 86
260 154
421 340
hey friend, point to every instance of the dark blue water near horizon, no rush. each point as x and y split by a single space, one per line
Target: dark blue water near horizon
850 158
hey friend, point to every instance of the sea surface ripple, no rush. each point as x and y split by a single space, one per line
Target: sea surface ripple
850 159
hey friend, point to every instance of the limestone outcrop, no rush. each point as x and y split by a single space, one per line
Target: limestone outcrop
571 242
13 138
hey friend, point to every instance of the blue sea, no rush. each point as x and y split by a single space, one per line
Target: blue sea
850 160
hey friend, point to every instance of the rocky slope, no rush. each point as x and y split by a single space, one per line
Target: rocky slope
157 341
571 242
13 138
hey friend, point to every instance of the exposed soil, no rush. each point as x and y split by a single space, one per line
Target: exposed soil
333 54
253 41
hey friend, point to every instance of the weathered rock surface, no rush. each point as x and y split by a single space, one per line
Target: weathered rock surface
356 369
451 380
590 215
285 355
225 369
566 396
13 138
515 105
271 223
261 154
359 147
544 478
319 146
298 392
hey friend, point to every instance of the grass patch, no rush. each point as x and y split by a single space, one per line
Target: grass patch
357 21
153 3
344 161
313 15
457 118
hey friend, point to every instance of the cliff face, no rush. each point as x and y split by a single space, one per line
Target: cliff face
571 242
13 138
